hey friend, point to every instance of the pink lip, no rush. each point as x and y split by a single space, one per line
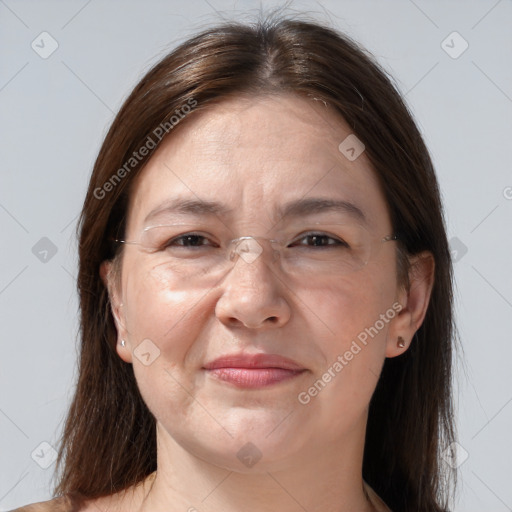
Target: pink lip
253 370
253 361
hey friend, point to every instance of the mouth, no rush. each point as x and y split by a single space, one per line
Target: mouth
253 378
253 371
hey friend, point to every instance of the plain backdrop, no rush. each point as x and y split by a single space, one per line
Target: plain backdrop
66 66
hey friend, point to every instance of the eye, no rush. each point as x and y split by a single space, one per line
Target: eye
320 240
187 240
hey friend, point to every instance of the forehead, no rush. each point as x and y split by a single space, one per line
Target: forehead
254 154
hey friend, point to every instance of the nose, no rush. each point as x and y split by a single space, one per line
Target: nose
254 293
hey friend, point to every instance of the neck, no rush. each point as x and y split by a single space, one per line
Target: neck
326 477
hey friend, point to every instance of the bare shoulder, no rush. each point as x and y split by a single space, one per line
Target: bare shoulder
68 504
127 500
61 504
375 499
65 504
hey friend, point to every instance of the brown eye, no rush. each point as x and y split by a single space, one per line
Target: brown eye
320 240
188 240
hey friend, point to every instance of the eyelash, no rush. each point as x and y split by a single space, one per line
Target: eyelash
339 242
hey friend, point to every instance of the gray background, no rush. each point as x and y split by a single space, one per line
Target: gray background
55 112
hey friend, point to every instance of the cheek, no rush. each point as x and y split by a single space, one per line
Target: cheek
157 309
338 394
166 393
355 315
163 322
344 308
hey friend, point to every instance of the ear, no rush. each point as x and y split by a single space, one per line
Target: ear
116 306
414 302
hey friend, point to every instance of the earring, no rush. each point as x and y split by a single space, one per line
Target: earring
123 343
401 342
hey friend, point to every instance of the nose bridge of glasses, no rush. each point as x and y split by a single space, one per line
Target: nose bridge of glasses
250 248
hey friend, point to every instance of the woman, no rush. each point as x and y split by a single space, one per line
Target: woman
265 288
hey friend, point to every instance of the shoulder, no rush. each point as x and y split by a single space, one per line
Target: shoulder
61 504
375 499
126 500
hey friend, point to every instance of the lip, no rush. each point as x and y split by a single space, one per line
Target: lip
253 361
253 370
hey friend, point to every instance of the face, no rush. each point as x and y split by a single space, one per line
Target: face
255 156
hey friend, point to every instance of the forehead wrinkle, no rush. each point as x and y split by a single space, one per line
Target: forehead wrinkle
293 209
235 168
196 207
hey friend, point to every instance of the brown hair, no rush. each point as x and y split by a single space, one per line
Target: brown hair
109 440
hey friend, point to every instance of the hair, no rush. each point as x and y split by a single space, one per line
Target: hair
109 438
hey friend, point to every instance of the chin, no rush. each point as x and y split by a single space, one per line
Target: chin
259 450
249 458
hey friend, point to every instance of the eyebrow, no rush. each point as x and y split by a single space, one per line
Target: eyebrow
196 207
296 208
312 205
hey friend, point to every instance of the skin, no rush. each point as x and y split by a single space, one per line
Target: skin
254 154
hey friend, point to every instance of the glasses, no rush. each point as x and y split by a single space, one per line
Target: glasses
198 257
